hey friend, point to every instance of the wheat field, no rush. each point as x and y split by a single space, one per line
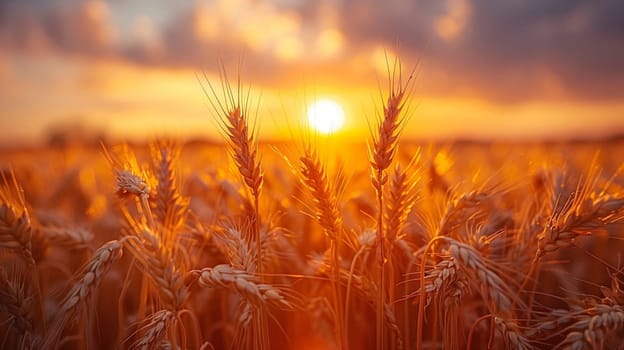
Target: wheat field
384 244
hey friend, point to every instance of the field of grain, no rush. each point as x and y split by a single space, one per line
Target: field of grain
384 244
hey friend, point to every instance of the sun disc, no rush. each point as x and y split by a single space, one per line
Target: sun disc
326 116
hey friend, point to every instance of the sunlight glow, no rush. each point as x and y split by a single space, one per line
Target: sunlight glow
326 116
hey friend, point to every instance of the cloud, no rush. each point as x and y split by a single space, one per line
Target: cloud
507 50
508 46
503 51
85 29
146 44
276 41
452 24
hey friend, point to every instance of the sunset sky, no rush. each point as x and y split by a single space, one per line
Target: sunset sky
488 69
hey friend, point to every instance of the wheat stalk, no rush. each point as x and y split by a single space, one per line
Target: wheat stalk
314 176
384 146
367 289
209 268
160 264
232 115
576 213
492 288
155 247
83 289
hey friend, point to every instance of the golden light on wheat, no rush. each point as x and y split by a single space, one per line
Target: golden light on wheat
387 244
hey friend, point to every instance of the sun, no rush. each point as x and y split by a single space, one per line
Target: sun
326 116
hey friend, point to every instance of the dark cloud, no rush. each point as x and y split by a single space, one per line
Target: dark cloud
407 23
507 49
566 38
80 28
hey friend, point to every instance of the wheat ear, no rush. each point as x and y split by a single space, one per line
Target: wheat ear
170 207
162 265
154 330
17 307
15 227
583 217
493 289
131 184
242 282
90 277
381 156
446 285
232 114
512 337
593 327
582 212
314 176
162 268
401 199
